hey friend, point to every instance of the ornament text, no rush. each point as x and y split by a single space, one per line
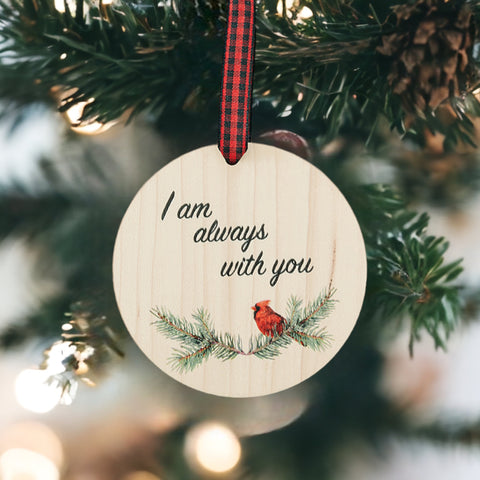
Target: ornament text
245 235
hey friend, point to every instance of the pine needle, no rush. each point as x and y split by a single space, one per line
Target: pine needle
198 339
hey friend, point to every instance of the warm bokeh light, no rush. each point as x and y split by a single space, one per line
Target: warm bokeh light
292 5
74 115
23 464
213 447
60 6
288 6
34 393
35 437
141 475
305 12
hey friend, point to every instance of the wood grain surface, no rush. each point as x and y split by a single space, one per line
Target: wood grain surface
157 262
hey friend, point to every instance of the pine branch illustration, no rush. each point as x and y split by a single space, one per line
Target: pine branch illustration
176 328
301 327
317 340
199 340
318 309
189 358
268 348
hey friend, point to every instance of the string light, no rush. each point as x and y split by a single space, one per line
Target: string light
22 464
304 13
40 390
288 6
212 447
34 393
60 5
291 6
74 115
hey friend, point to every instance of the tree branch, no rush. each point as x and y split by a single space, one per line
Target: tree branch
199 340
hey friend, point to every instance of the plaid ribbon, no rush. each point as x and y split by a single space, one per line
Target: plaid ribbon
235 103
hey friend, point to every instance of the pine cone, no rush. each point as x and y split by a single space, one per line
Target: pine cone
431 53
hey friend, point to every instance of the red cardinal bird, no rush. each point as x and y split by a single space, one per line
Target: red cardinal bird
269 322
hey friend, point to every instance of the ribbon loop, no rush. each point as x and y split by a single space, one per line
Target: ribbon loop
235 102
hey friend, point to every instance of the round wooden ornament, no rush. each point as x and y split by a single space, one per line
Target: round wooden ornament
239 281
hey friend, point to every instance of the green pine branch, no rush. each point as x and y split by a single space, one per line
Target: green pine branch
199 340
408 276
164 57
448 432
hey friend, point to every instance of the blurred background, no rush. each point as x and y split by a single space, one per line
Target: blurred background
78 400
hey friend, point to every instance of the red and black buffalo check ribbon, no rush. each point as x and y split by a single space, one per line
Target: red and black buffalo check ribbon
237 80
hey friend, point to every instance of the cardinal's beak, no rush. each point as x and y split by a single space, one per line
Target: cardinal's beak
253 308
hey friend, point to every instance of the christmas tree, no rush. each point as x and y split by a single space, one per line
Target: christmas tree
381 96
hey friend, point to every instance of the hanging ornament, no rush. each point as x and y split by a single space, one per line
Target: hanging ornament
239 278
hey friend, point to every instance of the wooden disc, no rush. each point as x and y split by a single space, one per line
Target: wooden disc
203 242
